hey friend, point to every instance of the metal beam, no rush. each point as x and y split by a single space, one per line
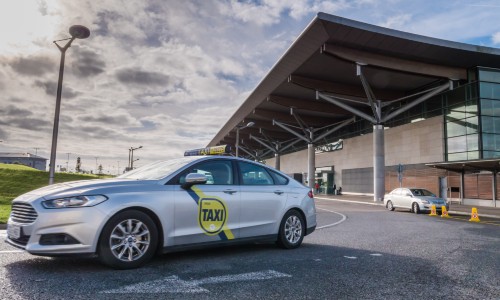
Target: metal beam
286 128
355 111
286 117
341 88
263 143
417 101
376 107
330 131
393 63
307 104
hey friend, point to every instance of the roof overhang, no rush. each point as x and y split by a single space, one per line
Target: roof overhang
469 166
325 57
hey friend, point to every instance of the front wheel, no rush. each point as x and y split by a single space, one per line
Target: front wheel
292 230
415 208
128 240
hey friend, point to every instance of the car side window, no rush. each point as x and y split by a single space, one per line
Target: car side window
279 179
217 172
254 175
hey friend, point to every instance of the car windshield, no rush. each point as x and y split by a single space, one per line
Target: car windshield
158 170
422 192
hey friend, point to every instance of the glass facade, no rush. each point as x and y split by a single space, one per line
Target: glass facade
472 118
489 93
462 123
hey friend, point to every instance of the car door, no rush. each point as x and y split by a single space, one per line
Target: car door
396 197
207 212
262 200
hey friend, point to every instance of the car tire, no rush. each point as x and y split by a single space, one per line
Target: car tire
415 208
389 205
292 230
129 239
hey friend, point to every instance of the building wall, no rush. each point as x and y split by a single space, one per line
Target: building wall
414 143
36 163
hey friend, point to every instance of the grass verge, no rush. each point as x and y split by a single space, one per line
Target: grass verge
16 180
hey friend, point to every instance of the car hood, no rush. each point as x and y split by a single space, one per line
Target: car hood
72 188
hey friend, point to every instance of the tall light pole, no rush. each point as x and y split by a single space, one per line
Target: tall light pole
67 163
238 128
131 157
76 32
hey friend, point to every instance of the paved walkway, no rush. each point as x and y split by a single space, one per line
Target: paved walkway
455 208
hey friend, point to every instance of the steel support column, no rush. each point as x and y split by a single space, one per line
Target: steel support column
276 160
311 161
378 163
494 179
462 184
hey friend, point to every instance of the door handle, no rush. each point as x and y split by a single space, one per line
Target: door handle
278 192
230 192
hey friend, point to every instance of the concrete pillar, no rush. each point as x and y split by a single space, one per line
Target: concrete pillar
378 163
311 164
494 178
276 161
462 184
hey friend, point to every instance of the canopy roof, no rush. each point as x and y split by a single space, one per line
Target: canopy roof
324 58
469 166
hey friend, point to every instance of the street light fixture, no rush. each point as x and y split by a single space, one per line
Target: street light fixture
238 128
131 157
76 32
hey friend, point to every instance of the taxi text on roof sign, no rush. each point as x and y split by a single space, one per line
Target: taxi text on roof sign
216 150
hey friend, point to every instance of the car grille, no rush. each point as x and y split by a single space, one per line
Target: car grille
23 213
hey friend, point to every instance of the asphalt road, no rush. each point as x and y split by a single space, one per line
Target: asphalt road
358 252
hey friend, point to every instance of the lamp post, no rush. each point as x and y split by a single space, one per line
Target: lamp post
131 157
76 32
238 128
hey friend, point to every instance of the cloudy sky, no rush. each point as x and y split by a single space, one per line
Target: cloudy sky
168 74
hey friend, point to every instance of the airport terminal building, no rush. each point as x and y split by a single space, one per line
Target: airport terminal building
368 109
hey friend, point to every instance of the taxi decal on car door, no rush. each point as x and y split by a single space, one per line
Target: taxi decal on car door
212 214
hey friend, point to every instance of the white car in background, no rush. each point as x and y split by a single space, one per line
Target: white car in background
415 199
191 202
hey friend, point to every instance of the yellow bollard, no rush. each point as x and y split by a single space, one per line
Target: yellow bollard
474 217
433 210
444 212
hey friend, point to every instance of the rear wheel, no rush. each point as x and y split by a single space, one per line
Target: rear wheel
415 208
389 205
292 230
128 240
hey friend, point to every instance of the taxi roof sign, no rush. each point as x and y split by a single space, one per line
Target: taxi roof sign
215 150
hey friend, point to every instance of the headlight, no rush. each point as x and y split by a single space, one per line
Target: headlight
77 201
424 201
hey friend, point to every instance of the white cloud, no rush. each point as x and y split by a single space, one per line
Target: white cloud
495 38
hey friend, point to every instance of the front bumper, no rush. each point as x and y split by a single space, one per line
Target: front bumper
81 226
428 207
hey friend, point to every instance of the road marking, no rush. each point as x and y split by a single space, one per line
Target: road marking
351 257
11 251
173 284
333 224
376 254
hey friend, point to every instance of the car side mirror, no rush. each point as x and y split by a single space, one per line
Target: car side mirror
409 194
192 179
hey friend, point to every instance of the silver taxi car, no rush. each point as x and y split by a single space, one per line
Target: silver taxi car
191 202
415 199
